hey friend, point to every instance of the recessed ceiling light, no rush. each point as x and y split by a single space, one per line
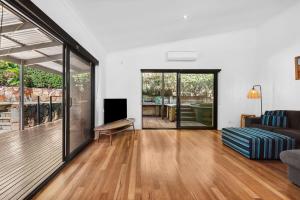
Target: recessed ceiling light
185 17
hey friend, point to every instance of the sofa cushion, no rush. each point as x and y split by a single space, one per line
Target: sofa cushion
291 157
294 133
281 113
274 120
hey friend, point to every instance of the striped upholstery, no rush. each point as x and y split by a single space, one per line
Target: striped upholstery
276 112
274 120
256 143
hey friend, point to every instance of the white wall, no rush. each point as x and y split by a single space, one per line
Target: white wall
233 52
264 55
279 44
72 23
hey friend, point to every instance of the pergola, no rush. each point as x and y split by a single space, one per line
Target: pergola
25 44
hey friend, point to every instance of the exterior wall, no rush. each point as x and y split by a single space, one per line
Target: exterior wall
11 94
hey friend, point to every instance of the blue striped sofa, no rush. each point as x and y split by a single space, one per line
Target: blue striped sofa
255 143
285 122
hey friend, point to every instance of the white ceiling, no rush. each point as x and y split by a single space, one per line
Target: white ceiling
124 24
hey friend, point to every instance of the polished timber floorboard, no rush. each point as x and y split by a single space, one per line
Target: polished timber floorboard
168 164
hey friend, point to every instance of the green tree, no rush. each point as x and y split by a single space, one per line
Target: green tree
191 84
41 79
152 84
197 84
9 76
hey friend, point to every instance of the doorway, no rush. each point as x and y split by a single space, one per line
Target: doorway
159 95
46 99
175 99
79 83
31 104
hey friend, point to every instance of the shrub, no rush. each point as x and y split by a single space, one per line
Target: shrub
33 78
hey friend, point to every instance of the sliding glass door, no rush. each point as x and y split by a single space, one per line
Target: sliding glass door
80 101
31 90
46 99
196 100
179 99
159 100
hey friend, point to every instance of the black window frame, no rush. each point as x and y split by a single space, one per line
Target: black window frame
215 72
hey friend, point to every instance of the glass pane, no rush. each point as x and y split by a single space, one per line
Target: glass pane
170 99
42 95
196 100
159 100
80 100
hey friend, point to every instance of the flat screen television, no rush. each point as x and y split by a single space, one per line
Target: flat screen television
114 109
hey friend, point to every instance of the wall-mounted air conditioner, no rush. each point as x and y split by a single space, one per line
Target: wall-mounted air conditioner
182 56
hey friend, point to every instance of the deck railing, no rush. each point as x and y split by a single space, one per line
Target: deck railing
35 112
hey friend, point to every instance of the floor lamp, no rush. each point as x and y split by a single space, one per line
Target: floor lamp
255 94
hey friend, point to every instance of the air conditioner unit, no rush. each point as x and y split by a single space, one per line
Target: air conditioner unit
182 56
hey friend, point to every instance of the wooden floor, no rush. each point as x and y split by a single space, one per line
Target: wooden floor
28 157
169 164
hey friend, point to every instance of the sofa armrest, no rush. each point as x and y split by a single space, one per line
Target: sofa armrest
252 120
291 158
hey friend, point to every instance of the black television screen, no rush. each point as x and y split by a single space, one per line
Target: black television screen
114 109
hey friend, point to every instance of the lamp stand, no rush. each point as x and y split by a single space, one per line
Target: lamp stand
261 96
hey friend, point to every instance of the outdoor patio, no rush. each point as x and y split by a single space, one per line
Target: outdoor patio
28 157
30 105
157 122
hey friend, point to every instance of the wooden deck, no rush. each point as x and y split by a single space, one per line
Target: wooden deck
157 122
169 165
28 157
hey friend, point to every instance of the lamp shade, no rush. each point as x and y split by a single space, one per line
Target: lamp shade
254 94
